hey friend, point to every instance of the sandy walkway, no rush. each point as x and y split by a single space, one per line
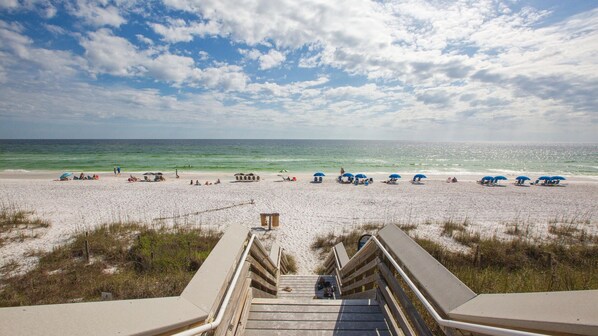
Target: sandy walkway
306 209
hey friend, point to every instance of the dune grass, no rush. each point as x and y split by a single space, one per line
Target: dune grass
128 260
567 261
519 265
323 244
17 224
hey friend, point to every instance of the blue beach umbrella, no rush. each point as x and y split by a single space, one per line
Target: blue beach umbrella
544 178
522 178
347 175
560 178
394 176
500 178
319 174
488 178
419 176
65 175
361 176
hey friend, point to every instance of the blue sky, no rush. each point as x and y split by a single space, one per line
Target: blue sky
409 70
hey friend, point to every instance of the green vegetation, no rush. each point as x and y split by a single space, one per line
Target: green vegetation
323 244
291 263
128 260
495 266
567 261
17 224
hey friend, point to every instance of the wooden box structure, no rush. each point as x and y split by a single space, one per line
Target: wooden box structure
270 220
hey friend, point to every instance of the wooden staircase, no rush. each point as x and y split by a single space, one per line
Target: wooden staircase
300 309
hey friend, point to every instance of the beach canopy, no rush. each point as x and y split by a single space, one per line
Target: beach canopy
500 178
347 175
419 176
284 171
560 178
522 178
65 175
544 178
361 176
319 174
395 176
488 178
149 174
239 174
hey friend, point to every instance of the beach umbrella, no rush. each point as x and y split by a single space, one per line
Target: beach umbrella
283 171
158 173
394 176
239 174
319 174
560 178
65 175
347 175
500 178
361 176
149 174
419 176
522 178
487 178
544 178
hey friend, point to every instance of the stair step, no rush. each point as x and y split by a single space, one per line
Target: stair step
306 317
304 286
316 325
260 332
317 316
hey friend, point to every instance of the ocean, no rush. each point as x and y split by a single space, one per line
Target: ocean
299 156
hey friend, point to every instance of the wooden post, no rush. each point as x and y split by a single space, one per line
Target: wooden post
477 257
86 248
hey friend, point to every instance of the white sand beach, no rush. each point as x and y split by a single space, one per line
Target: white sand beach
306 209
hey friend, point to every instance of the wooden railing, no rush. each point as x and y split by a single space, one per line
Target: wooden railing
401 275
238 269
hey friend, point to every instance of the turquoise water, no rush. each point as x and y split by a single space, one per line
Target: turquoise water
298 156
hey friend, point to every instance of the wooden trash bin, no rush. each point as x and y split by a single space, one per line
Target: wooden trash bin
264 219
275 219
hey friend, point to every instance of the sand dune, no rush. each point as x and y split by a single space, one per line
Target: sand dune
306 209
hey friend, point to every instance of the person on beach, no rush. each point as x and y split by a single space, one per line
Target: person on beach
217 181
191 182
454 179
196 182
114 170
118 170
342 171
176 172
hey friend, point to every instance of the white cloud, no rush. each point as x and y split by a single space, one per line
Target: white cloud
97 13
112 54
54 29
272 59
9 4
178 30
19 53
144 39
117 56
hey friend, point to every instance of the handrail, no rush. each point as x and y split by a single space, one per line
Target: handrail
473 327
225 301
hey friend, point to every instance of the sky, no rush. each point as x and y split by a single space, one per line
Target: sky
454 70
